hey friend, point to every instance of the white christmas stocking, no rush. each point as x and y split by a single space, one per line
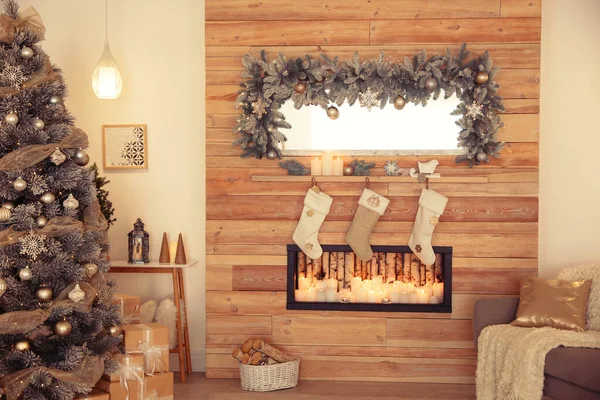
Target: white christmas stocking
316 208
431 206
371 206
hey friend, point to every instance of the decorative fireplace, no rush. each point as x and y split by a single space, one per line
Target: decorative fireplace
393 280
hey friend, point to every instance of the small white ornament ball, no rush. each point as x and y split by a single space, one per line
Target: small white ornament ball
5 214
19 184
8 205
39 124
70 203
25 274
11 118
41 221
48 198
26 52
55 100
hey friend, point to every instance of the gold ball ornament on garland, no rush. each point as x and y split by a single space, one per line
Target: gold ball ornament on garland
63 328
41 221
25 273
44 293
348 171
26 52
431 84
81 158
23 345
9 205
48 198
300 87
19 184
11 118
272 154
333 112
90 269
5 214
3 286
114 330
70 203
482 157
482 77
39 124
399 102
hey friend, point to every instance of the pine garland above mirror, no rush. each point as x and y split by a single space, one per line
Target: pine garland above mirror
326 83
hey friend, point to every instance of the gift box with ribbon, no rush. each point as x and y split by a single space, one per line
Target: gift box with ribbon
95 394
126 390
131 368
151 340
159 387
130 308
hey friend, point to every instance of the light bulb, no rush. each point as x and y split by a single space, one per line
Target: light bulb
106 81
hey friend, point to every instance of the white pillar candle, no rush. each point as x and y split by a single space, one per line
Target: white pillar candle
377 282
311 294
410 287
327 163
315 167
321 296
435 300
338 167
438 290
300 295
379 297
338 297
398 286
362 296
331 295
405 298
395 296
356 284
345 295
367 285
429 289
332 284
422 296
321 285
412 297
353 298
372 297
303 283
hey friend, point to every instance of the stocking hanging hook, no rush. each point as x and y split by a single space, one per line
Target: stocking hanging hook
314 185
367 182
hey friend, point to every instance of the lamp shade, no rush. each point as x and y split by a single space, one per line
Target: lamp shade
106 81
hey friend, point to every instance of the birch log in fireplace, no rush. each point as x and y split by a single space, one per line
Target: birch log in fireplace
393 280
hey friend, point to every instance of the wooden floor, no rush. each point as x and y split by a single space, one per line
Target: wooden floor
198 387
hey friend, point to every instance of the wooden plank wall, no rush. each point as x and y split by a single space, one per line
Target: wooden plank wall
492 227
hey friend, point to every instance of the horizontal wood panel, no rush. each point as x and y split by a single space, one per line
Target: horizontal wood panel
259 277
421 333
521 8
506 30
309 10
489 280
287 33
327 331
520 128
219 277
467 189
232 340
253 325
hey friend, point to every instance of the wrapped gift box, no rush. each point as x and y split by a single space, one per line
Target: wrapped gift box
131 367
130 307
159 386
118 392
95 394
151 340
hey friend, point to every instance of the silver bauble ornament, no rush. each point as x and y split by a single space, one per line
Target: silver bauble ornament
333 112
481 156
41 221
19 184
114 330
55 100
70 203
90 269
25 274
44 293
399 102
481 77
63 328
23 345
39 124
11 118
272 154
3 286
57 157
26 52
81 158
431 84
8 205
48 198
5 214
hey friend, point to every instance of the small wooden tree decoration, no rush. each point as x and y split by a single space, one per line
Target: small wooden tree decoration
165 254
180 254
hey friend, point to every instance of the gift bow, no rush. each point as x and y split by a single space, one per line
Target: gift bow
152 357
128 371
154 396
30 18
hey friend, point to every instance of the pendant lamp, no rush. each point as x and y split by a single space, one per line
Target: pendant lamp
106 81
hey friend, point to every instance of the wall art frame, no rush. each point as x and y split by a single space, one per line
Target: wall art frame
125 146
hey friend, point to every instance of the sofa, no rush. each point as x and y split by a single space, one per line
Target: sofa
570 373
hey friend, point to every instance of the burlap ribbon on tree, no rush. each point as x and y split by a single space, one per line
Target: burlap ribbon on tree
84 376
29 19
16 322
28 156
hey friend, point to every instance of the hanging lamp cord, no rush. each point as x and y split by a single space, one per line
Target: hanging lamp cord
106 19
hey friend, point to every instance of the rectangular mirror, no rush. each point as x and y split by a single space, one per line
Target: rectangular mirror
429 130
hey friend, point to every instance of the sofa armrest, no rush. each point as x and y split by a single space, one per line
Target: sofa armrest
493 312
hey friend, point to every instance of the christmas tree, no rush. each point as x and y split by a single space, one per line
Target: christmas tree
57 324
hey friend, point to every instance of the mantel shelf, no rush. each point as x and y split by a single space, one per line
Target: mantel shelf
389 179
151 264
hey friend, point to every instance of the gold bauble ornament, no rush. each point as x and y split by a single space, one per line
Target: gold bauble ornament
5 214
482 77
26 52
38 124
19 184
55 100
11 118
3 286
482 157
25 273
44 293
8 204
431 84
348 171
333 112
300 87
48 198
23 345
63 328
90 269
399 102
114 330
41 221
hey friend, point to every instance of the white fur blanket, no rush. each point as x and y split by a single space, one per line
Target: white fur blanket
511 359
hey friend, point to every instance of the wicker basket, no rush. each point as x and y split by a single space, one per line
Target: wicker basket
266 378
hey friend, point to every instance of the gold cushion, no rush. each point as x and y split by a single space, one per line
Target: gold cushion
559 304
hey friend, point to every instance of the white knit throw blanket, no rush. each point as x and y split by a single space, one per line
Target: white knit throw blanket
510 364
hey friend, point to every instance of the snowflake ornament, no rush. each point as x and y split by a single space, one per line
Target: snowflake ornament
259 108
475 110
391 168
369 99
12 75
33 245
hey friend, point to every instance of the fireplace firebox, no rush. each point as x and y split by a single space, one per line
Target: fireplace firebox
394 280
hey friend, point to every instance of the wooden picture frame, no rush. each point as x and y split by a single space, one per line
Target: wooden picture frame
125 146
